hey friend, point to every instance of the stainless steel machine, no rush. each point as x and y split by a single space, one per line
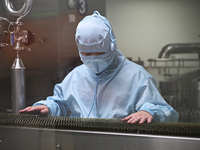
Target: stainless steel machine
21 132
180 89
17 38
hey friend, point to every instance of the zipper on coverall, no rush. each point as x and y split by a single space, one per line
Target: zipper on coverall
94 101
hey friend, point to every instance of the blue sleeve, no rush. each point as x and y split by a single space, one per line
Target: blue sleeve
56 104
150 100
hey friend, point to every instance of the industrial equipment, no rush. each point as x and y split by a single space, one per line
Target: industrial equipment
44 133
54 55
17 38
54 52
180 89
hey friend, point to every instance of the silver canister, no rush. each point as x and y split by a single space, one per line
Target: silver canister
18 85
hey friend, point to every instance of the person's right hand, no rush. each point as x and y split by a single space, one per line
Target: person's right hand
41 109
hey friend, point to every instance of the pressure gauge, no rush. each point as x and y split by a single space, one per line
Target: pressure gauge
71 4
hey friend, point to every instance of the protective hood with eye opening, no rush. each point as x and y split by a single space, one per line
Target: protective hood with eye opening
94 34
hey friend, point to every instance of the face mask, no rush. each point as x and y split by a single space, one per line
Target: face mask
97 63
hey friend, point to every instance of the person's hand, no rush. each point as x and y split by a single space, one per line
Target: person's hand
139 117
40 109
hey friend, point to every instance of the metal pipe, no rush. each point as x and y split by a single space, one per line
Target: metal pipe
18 84
179 48
18 69
18 13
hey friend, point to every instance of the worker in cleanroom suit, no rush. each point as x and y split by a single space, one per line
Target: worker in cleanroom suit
107 85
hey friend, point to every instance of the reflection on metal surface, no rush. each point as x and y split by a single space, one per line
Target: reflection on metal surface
100 124
18 85
185 90
54 53
86 133
18 70
18 13
181 77
178 49
17 38
22 37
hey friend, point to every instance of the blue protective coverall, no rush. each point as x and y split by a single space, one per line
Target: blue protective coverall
121 89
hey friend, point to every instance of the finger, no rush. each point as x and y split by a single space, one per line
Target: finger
44 111
32 109
149 120
127 118
142 120
133 120
24 110
36 108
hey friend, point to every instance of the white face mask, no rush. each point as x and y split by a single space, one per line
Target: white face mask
98 63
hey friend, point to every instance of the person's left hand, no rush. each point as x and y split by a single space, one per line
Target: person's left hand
139 117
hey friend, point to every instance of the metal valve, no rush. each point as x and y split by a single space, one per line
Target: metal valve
17 38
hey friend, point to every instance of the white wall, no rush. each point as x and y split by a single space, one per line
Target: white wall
143 27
